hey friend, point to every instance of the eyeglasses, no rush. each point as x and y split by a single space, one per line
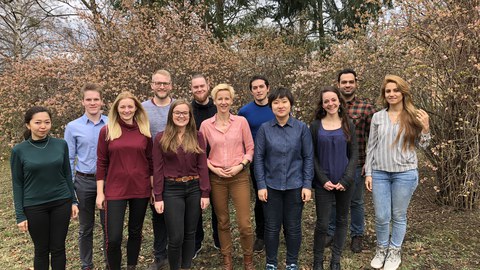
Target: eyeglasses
160 83
184 114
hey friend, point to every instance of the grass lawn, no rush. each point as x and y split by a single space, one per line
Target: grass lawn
437 237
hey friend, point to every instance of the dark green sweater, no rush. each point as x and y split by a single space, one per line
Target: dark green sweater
40 175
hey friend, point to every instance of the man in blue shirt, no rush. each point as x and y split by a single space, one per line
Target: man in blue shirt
257 112
81 135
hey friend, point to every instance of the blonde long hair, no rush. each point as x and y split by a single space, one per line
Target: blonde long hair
409 124
169 140
113 127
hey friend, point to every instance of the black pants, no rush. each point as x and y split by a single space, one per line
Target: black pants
86 189
159 235
48 227
323 204
182 210
115 216
259 216
200 234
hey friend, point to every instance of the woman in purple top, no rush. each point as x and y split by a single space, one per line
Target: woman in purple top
336 153
180 181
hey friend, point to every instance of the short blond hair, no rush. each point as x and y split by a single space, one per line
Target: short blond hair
164 73
223 87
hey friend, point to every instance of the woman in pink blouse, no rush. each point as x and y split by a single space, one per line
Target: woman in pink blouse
231 150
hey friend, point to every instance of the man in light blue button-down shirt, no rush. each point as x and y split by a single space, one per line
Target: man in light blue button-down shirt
81 135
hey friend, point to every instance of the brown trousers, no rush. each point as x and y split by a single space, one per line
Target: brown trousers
238 188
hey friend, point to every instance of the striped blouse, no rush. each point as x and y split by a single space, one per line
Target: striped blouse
383 154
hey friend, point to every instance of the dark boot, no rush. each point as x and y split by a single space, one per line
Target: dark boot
318 265
335 266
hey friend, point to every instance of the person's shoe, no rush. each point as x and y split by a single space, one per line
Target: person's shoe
379 259
335 266
197 251
258 246
248 262
227 262
357 244
393 260
291 267
328 240
270 267
158 265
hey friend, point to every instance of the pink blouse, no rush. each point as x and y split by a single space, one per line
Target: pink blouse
231 147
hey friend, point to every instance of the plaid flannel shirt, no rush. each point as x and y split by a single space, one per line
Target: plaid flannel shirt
361 112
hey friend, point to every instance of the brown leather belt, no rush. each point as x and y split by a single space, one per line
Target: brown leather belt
85 174
182 179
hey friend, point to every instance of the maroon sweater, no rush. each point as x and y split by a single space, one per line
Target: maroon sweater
125 163
179 164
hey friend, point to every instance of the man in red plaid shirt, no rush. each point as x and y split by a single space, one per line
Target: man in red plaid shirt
361 112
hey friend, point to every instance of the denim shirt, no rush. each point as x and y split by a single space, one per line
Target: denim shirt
283 156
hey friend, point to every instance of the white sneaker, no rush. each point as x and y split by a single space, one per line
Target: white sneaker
379 259
393 260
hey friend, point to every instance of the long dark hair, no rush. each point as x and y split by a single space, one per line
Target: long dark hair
320 112
28 117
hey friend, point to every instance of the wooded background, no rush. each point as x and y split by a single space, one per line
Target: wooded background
50 48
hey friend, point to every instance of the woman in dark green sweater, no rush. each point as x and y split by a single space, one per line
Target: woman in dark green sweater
43 189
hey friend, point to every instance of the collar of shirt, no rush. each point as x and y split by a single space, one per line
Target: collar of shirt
289 122
213 119
86 120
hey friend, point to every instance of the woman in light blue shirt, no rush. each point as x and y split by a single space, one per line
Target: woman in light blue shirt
284 171
391 166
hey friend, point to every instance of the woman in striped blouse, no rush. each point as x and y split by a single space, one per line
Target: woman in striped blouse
391 166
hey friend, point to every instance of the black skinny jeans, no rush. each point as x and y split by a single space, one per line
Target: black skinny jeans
114 219
323 205
48 227
182 210
258 209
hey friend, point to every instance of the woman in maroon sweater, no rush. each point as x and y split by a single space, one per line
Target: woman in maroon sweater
124 175
180 181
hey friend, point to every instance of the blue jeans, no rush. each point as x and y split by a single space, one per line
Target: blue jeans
283 207
182 210
391 193
323 206
357 209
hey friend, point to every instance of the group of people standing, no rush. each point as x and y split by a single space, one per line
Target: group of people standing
179 157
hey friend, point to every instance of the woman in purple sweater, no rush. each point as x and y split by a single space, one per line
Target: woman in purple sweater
124 175
180 181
